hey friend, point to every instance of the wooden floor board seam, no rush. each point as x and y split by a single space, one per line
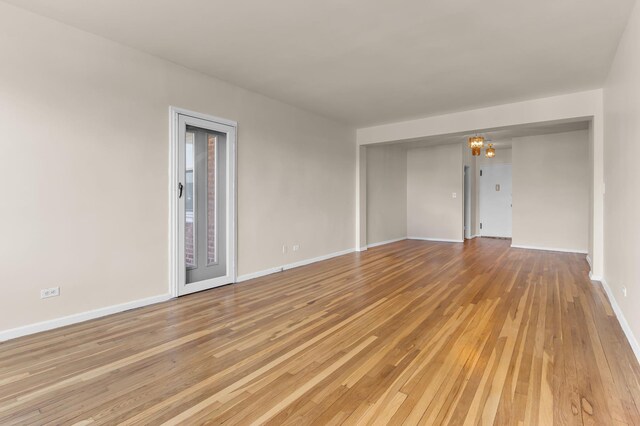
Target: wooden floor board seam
412 332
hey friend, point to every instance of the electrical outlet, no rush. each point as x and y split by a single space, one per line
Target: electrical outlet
296 247
49 292
624 291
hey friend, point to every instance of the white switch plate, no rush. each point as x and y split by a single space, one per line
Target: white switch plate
284 249
624 291
296 247
45 293
454 195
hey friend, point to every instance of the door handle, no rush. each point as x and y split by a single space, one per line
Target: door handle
180 188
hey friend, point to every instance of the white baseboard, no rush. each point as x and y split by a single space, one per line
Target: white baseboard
594 277
563 250
591 276
252 275
101 312
472 237
81 317
621 319
316 259
381 243
258 274
442 240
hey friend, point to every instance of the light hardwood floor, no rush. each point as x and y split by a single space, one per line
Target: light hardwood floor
412 332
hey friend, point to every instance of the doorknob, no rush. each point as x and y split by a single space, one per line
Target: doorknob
180 188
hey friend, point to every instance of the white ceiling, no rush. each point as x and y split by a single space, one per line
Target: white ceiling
370 61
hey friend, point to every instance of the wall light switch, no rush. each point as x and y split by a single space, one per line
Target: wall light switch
454 195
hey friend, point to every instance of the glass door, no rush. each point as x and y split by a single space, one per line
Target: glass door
204 197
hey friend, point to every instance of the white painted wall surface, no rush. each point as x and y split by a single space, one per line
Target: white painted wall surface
85 160
581 105
386 193
433 175
621 201
563 107
551 191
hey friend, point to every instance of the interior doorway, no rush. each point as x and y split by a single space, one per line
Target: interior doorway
495 201
467 202
203 202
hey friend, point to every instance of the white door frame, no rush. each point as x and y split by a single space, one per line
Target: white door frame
466 203
177 269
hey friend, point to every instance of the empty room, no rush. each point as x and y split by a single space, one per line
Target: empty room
291 212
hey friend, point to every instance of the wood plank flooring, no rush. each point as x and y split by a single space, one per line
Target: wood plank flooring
408 333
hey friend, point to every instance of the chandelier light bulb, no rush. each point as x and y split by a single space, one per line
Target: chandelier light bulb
491 151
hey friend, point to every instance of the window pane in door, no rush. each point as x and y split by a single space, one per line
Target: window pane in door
190 203
211 199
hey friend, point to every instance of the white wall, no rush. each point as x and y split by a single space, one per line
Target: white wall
551 191
386 193
433 174
621 201
85 170
361 198
581 105
590 246
555 108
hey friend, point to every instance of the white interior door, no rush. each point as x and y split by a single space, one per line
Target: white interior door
495 200
206 203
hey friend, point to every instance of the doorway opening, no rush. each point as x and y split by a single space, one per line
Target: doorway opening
203 221
467 202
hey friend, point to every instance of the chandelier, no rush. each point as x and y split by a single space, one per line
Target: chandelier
476 143
491 151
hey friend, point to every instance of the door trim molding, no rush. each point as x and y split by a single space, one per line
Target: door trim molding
174 251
